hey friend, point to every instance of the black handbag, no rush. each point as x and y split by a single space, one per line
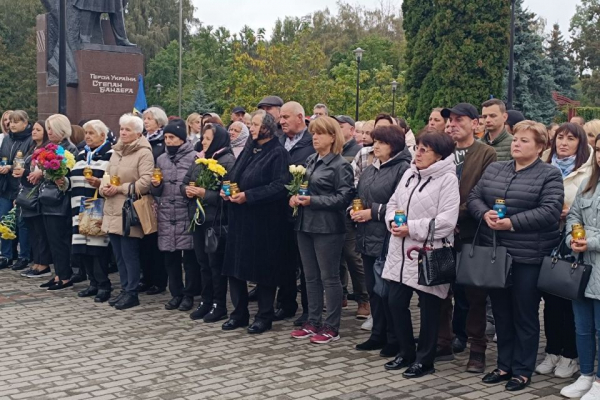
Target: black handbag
436 266
28 198
562 276
483 266
213 237
382 286
129 215
50 194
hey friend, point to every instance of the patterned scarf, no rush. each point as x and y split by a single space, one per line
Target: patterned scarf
240 141
566 165
157 135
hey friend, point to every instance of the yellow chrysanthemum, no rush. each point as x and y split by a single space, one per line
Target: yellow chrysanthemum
217 169
70 159
212 161
202 161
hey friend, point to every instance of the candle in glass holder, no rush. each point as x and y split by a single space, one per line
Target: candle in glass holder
400 217
357 205
192 184
115 180
577 232
88 172
157 174
234 189
226 188
303 191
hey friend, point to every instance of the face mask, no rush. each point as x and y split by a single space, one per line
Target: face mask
172 150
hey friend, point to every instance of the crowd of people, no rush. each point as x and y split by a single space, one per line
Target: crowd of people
251 235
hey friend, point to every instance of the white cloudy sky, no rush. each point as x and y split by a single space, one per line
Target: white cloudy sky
234 14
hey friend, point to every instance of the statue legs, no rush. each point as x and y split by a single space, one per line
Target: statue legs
88 22
117 22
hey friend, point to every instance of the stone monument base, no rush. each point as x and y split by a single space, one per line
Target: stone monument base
107 77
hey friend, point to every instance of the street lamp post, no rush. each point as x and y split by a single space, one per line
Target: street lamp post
180 49
62 57
158 87
511 59
358 53
394 87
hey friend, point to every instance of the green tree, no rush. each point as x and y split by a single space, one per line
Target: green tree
585 31
534 81
563 71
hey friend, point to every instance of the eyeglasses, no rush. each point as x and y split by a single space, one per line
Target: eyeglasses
422 150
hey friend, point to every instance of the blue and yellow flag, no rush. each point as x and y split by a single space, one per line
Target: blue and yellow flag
140 101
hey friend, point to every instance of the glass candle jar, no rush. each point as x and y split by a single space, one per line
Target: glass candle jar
234 190
192 184
157 174
400 217
88 172
500 208
577 232
357 205
303 191
115 180
226 188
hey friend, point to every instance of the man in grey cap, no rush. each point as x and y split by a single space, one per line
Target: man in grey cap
272 105
351 261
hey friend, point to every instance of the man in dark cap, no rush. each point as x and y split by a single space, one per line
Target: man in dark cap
272 105
514 117
237 114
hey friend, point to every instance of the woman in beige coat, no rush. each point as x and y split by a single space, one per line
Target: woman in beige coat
132 162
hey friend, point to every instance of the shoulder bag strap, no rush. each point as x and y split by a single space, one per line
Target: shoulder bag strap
475 237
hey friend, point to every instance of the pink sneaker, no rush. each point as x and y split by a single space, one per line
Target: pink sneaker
306 331
325 335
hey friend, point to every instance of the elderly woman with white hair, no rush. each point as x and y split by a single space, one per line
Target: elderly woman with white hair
239 134
154 274
55 208
90 245
132 162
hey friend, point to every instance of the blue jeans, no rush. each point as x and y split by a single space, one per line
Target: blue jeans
587 326
23 234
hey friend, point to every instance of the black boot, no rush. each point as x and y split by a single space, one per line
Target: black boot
128 301
186 304
173 303
201 311
114 301
88 292
102 296
216 314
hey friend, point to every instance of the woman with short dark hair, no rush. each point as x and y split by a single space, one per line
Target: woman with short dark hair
375 187
427 192
533 193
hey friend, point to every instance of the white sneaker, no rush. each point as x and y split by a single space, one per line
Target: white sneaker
566 367
594 393
368 324
548 365
578 388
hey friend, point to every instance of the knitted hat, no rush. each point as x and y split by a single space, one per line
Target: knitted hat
176 127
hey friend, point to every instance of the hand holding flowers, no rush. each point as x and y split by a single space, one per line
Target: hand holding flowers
298 172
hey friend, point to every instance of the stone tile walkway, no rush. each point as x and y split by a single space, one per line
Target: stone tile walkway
58 346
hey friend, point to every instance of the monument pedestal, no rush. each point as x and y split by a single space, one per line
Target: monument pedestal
107 77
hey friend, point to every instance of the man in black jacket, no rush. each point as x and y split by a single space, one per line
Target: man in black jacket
298 142
351 260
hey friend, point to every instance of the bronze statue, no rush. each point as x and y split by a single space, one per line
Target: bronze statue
91 10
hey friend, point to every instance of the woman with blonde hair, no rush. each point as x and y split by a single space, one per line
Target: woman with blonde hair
321 229
5 124
592 129
193 125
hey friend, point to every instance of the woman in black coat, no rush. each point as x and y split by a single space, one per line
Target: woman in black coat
215 145
255 241
534 194
321 229
376 185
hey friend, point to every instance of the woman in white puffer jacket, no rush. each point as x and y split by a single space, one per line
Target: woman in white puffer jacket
427 191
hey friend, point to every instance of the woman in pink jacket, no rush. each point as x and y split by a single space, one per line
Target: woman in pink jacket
428 190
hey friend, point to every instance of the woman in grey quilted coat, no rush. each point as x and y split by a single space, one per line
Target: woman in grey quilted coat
585 210
174 239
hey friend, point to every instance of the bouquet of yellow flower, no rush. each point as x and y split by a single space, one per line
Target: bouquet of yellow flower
209 178
8 225
298 172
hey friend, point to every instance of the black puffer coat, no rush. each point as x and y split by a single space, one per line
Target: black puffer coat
534 199
11 145
375 187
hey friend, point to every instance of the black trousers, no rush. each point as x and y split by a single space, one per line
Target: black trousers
239 297
152 262
383 329
399 302
214 284
288 286
96 268
559 326
173 261
58 232
516 311
39 241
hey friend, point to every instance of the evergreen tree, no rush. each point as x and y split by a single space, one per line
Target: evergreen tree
534 81
198 101
459 55
585 31
563 71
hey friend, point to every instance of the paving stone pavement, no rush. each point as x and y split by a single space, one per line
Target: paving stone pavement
58 346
